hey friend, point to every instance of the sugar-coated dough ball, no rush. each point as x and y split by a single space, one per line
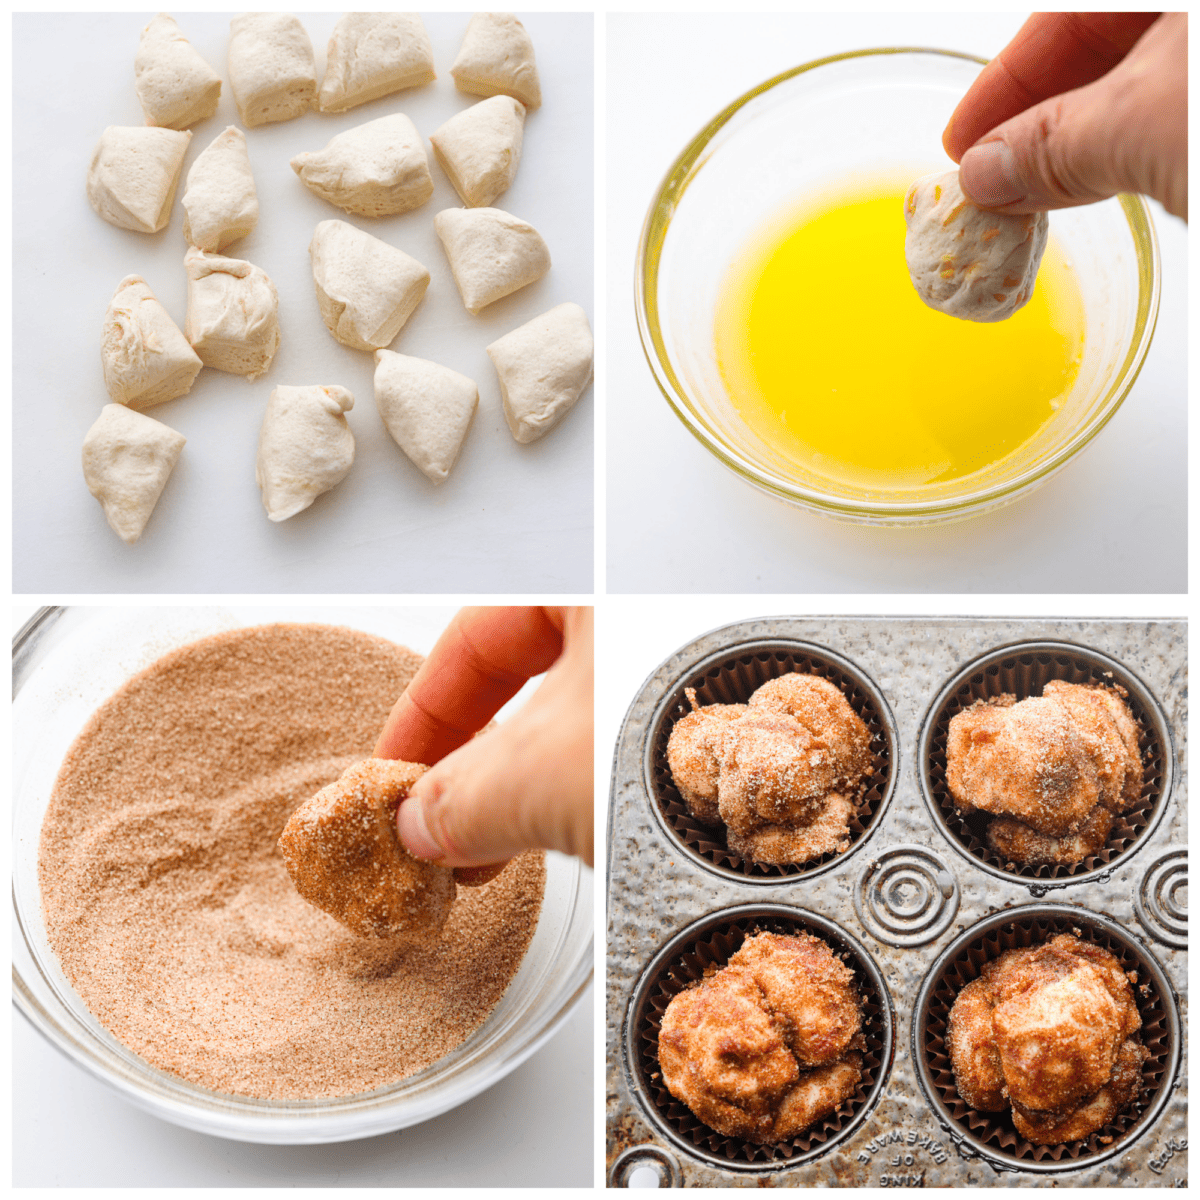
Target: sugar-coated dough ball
491 253
146 358
133 174
366 288
232 314
305 447
127 459
496 58
373 170
220 203
544 367
175 85
271 67
480 148
341 850
965 261
372 55
426 407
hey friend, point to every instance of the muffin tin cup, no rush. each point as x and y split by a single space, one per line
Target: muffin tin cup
993 1135
731 679
1024 669
707 945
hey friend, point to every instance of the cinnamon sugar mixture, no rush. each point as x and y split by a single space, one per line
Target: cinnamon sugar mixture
171 912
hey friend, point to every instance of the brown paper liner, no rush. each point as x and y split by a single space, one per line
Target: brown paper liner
1025 675
710 951
732 681
985 1129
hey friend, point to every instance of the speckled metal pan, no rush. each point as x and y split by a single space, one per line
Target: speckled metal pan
915 903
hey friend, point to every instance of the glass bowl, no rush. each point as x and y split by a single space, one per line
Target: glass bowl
866 114
66 662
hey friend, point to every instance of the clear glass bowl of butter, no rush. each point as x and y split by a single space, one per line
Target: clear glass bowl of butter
809 131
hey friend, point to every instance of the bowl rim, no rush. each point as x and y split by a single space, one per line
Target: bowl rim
655 227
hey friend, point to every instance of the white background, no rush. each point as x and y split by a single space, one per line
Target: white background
679 521
510 518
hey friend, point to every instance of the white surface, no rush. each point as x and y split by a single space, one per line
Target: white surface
679 521
510 518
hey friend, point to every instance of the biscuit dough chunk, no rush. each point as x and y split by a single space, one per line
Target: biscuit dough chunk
544 366
271 68
492 253
427 409
305 447
497 58
146 358
220 203
232 314
965 261
127 460
175 86
692 756
372 55
480 149
366 289
342 853
373 170
133 175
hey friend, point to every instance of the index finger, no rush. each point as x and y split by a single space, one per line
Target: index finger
1051 53
480 662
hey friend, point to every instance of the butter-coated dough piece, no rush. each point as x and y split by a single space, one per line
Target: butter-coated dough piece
480 149
271 68
133 175
175 86
372 55
220 203
492 253
232 314
497 58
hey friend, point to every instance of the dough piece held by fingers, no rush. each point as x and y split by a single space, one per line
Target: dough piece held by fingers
497 58
220 203
271 68
480 149
492 253
133 175
372 55
175 86
965 261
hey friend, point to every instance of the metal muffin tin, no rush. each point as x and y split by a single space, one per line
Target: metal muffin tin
913 905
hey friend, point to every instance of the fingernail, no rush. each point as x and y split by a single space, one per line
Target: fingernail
414 833
988 175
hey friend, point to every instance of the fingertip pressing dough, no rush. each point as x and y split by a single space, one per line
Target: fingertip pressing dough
175 86
146 358
497 58
544 367
342 853
127 459
373 170
133 174
232 314
373 55
427 409
220 203
480 148
366 288
271 68
305 447
491 253
965 261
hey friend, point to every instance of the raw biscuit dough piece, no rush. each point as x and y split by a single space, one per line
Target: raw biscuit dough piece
133 175
145 356
491 253
232 314
271 67
220 204
366 289
497 59
372 55
544 367
966 262
127 459
341 850
480 148
426 407
175 85
305 447
374 170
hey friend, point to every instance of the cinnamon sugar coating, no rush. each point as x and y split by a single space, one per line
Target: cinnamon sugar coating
769 1044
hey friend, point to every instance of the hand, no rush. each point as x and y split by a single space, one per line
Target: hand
526 783
1076 108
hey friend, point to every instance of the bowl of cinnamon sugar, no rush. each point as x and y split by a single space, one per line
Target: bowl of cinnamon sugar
160 945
